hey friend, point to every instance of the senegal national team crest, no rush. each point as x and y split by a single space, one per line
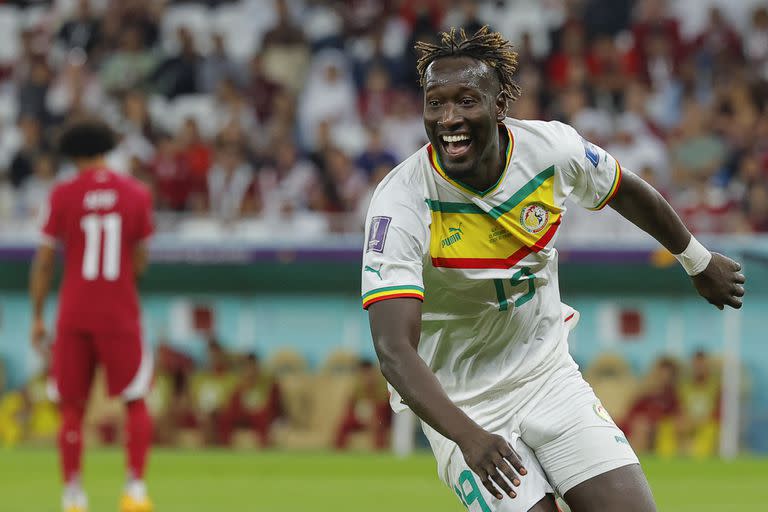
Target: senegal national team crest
534 218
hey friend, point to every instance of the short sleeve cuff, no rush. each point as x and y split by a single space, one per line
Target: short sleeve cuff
612 192
392 292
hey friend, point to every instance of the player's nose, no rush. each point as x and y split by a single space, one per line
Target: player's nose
451 118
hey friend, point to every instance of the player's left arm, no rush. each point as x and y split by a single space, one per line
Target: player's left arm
40 279
717 278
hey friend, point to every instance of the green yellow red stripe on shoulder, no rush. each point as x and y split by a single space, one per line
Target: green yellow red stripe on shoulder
435 161
392 292
612 191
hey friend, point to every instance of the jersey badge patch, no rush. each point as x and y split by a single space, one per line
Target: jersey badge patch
534 218
590 150
378 234
601 412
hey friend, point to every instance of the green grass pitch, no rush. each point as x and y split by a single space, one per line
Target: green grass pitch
207 481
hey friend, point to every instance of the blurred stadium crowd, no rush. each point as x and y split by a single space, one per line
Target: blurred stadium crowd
295 109
239 401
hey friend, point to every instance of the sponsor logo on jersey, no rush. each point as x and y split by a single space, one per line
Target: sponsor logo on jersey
377 235
590 150
601 412
376 271
621 440
534 218
454 235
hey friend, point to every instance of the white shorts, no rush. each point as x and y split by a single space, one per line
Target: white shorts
561 431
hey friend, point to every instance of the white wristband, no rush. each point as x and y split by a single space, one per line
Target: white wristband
694 258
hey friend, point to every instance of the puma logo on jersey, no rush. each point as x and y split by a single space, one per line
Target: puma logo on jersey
374 270
454 235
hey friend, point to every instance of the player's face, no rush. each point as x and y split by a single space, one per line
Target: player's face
462 109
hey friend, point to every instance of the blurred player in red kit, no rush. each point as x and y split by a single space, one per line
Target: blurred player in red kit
102 220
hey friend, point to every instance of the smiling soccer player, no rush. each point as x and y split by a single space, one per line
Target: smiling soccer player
464 305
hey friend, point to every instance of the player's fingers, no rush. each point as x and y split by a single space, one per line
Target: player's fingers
734 302
488 484
738 290
736 265
740 279
514 460
508 472
503 484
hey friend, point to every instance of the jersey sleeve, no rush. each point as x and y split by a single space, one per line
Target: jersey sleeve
591 173
396 237
50 219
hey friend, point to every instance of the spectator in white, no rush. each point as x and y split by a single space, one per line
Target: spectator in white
75 86
328 96
403 129
218 65
232 189
82 31
132 145
129 66
638 149
593 124
178 74
35 190
756 43
287 182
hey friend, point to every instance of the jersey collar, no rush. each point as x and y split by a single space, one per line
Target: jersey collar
438 167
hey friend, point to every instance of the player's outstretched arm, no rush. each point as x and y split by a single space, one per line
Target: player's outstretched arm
40 278
395 327
717 278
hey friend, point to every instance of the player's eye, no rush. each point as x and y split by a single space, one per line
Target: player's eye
467 101
433 103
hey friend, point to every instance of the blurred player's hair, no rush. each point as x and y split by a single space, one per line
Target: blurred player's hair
86 137
486 46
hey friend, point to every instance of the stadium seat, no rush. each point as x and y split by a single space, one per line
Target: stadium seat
341 362
242 33
287 362
314 405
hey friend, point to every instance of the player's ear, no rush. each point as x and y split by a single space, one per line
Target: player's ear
501 107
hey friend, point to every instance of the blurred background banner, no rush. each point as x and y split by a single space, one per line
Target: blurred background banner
263 127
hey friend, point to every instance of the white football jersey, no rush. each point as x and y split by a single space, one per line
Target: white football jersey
484 262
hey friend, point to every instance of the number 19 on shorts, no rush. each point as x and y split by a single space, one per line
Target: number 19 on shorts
98 261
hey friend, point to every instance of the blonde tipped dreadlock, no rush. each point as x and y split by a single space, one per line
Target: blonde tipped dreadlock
484 45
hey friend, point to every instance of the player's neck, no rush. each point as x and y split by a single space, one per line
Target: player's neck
90 164
491 166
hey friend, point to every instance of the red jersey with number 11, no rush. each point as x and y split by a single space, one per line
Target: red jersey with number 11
99 217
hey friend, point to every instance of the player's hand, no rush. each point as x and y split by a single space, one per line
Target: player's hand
492 459
721 283
38 336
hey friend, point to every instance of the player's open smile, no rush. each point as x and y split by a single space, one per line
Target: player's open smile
456 146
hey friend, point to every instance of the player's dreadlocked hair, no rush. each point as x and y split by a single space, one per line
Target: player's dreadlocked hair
484 45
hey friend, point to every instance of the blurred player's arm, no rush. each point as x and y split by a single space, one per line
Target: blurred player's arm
140 259
395 327
40 279
720 282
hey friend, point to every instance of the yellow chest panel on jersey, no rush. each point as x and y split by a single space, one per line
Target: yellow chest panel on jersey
464 235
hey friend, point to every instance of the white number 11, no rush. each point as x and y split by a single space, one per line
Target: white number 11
93 224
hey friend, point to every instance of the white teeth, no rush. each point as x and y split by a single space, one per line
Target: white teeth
455 138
